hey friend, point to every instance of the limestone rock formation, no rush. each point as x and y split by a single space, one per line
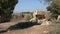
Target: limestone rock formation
46 22
58 19
42 17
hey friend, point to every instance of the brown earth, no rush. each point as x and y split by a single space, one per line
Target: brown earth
37 29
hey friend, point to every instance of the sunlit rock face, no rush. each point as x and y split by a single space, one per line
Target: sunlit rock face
6 9
33 20
40 15
46 22
45 14
58 19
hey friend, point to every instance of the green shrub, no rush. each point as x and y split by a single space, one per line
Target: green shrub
39 17
30 17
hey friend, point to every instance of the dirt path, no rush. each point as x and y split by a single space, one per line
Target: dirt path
38 29
8 24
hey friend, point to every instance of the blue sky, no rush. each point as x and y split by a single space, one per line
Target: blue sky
28 5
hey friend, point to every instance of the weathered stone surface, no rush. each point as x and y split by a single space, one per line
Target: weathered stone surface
58 19
45 16
33 20
44 22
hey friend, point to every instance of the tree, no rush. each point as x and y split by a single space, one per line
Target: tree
54 7
6 9
46 1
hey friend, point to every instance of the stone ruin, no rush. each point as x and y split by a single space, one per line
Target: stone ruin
44 20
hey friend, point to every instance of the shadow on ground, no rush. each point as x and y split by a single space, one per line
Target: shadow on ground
22 25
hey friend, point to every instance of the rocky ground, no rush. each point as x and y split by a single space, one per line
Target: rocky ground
36 29
33 30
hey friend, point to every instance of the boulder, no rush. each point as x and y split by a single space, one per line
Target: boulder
58 19
45 22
